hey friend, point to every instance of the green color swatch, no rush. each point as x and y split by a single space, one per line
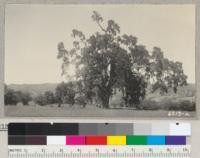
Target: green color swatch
136 140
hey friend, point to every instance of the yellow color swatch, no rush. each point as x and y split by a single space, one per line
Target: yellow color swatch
116 140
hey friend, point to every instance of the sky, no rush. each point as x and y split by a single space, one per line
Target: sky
33 31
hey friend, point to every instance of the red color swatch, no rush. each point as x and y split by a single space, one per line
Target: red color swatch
96 140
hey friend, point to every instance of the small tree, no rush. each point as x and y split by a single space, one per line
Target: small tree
65 93
10 97
165 73
49 97
40 100
13 97
24 97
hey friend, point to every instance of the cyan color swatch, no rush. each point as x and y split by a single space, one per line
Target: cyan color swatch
156 140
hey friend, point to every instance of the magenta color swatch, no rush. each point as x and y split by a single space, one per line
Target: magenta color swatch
75 140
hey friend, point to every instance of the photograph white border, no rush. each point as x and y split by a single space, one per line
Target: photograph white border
194 121
197 46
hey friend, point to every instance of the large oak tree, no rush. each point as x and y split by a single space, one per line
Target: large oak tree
108 60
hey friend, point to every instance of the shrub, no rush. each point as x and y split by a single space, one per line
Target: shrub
148 105
10 97
65 93
13 97
81 100
49 97
187 105
40 100
181 105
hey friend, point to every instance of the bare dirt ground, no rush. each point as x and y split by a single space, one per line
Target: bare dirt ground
65 111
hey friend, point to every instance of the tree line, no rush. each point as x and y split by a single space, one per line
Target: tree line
65 93
12 97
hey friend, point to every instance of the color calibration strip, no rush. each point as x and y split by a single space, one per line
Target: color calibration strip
98 134
97 140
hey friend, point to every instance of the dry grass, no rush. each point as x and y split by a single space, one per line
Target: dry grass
39 111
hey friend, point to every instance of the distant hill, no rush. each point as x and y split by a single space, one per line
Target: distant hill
34 89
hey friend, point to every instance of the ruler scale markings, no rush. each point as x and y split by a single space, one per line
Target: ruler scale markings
140 152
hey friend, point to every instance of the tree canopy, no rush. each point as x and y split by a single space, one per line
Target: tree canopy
65 93
108 60
13 97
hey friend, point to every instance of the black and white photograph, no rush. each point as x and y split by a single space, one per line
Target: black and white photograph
100 60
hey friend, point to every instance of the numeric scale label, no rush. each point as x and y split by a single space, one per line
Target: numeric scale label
3 126
99 151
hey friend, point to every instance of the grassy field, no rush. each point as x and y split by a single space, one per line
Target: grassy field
154 105
65 111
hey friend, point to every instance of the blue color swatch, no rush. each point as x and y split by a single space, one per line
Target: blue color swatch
156 140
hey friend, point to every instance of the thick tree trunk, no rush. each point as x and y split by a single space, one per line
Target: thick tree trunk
105 89
104 96
105 101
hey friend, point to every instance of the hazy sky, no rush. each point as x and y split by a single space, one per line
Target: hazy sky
33 32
